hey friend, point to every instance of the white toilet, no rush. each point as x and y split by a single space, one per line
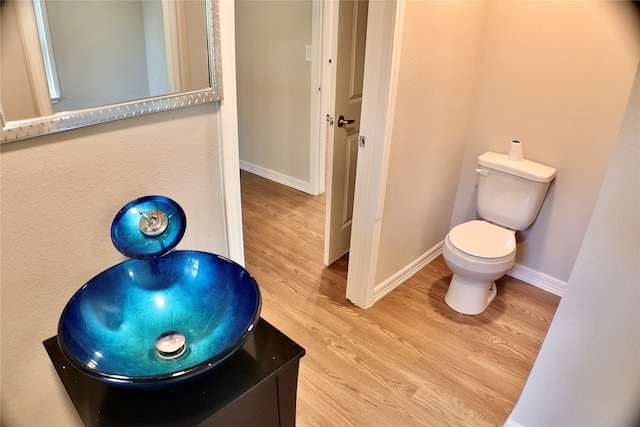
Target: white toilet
510 194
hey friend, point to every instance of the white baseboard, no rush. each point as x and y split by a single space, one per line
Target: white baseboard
538 279
526 274
511 423
401 276
278 177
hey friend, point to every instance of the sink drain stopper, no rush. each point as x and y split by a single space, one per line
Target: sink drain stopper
171 345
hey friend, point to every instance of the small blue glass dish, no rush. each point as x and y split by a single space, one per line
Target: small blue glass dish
148 227
159 322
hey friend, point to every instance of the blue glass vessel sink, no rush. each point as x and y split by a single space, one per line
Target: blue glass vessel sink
157 322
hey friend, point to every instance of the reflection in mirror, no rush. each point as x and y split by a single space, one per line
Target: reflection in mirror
111 59
42 22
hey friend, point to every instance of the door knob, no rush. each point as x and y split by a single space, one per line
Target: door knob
342 121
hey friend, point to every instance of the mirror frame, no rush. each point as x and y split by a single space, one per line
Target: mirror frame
28 128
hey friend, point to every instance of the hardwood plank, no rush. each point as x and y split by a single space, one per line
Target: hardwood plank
407 361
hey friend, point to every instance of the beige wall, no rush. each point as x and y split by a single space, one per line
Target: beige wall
12 57
440 55
274 81
557 77
59 195
473 77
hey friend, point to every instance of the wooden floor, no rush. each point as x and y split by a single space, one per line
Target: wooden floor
407 361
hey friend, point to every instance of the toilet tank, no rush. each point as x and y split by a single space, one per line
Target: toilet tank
510 193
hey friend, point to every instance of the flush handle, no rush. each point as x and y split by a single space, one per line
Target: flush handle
482 172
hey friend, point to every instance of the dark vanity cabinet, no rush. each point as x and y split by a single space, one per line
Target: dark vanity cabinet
256 387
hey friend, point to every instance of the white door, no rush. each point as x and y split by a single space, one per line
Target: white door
348 50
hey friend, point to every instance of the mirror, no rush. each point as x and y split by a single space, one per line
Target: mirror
69 64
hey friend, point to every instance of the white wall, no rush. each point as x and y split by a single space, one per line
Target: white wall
273 81
588 372
59 195
556 76
440 54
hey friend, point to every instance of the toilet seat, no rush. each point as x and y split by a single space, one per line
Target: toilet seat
481 239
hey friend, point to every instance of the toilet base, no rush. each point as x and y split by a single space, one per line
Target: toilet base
468 297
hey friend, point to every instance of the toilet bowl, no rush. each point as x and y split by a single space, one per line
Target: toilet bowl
478 253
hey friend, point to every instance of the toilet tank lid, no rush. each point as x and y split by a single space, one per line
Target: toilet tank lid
523 168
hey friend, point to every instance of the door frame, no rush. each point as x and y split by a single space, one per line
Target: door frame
382 64
35 58
229 149
384 36
319 82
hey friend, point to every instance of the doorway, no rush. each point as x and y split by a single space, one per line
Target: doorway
279 91
273 100
379 84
